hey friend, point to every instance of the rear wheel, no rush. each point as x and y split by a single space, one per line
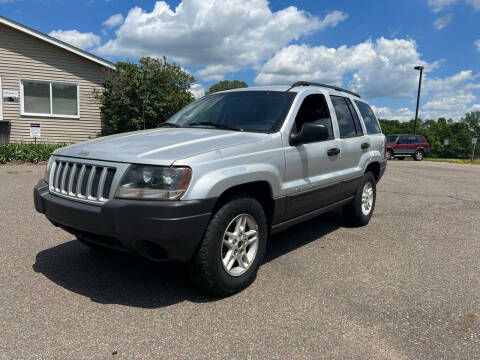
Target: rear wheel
360 210
400 157
232 248
418 155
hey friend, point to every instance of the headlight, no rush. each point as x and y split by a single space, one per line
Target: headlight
154 182
46 177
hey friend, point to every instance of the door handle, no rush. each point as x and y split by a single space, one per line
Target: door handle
365 146
333 152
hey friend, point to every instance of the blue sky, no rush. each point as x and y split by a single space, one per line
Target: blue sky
369 46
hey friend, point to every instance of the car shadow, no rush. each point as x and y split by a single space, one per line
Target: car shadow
109 277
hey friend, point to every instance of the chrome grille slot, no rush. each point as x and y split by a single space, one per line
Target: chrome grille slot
85 182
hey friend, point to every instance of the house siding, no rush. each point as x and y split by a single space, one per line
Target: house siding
24 57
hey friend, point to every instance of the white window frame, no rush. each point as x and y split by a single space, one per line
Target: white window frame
1 100
51 115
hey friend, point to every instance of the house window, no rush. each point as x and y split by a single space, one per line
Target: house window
43 98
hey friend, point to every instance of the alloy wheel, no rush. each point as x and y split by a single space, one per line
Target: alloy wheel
367 198
239 245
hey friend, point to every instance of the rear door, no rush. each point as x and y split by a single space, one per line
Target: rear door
373 129
311 174
354 144
414 144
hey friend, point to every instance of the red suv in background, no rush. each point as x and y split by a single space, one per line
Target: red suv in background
401 145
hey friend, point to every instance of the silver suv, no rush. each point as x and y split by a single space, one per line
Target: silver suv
212 183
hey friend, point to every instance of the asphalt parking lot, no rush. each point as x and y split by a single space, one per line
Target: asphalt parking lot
404 287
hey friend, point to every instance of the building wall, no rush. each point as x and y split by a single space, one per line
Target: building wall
23 57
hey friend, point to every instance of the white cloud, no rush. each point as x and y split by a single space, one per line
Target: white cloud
113 21
475 4
215 72
402 114
475 107
438 5
449 97
197 90
211 33
449 105
443 21
450 83
383 68
477 45
76 38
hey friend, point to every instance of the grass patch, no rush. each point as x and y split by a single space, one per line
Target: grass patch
454 161
27 153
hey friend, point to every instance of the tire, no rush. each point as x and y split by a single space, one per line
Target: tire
400 157
207 268
354 213
389 154
419 154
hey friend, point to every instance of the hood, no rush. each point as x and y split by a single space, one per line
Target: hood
158 146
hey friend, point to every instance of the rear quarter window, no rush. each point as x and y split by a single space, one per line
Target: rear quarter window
369 119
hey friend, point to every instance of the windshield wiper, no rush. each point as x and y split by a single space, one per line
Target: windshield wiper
215 125
167 124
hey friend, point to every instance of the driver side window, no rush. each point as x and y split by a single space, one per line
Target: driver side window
314 109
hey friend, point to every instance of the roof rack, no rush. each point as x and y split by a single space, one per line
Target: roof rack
308 83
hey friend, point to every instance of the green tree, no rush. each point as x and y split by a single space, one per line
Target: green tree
143 95
226 85
472 121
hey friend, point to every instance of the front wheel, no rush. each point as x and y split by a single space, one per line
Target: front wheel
232 248
360 210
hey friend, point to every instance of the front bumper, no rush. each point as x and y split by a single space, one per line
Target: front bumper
159 230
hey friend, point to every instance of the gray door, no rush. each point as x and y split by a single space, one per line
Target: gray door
354 145
311 174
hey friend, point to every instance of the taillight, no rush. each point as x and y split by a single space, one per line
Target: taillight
384 147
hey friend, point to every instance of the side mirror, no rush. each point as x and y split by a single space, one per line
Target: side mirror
309 133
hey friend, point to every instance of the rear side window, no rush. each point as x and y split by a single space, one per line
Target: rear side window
346 123
356 119
420 139
403 140
369 119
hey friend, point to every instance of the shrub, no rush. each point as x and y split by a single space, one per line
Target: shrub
30 153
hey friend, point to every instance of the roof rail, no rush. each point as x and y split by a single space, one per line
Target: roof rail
308 83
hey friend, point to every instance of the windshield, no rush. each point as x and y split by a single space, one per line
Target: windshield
258 111
391 138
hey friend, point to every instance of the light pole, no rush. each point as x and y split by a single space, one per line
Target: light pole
418 96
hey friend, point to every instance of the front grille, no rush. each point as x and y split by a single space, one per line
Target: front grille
82 181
